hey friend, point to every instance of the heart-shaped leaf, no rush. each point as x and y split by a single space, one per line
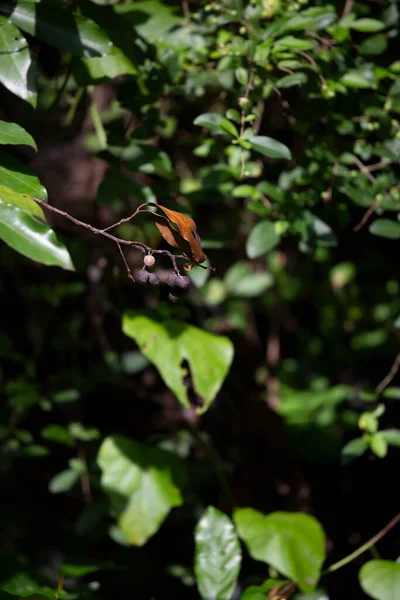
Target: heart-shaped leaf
143 484
380 579
218 555
292 543
167 344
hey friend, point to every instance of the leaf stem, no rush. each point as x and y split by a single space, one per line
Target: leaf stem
367 546
97 122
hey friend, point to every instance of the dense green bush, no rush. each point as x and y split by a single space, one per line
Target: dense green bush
173 405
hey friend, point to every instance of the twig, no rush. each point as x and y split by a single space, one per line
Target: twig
347 559
119 241
312 61
129 272
186 12
366 216
389 377
347 7
244 98
97 122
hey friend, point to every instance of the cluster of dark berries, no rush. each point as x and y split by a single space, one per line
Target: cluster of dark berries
179 284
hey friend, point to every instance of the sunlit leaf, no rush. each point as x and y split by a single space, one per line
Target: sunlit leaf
11 133
380 579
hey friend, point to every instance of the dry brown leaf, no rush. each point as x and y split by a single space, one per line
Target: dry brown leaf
172 236
188 230
282 591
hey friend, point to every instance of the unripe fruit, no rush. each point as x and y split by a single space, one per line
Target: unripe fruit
142 276
153 279
149 261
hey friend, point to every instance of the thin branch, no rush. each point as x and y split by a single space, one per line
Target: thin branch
366 216
312 61
119 241
389 377
347 559
243 117
128 271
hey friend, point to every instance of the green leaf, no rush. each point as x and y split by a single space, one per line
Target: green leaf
292 543
324 234
375 45
210 120
64 481
32 238
229 127
385 228
359 79
18 70
367 25
84 434
291 80
217 556
13 134
57 433
23 201
167 344
18 177
103 68
392 436
380 579
393 393
290 42
143 484
269 147
354 449
242 75
262 239
252 285
24 586
61 28
378 444
259 592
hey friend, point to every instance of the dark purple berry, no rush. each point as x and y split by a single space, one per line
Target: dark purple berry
153 279
142 276
182 282
172 279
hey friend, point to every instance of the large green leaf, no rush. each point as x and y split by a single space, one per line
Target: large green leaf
17 69
380 579
269 147
62 28
34 239
11 133
292 543
218 555
210 120
167 344
367 25
23 201
101 68
143 484
18 177
262 239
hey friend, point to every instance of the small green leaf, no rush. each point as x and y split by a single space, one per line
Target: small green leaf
262 239
13 134
18 70
259 592
354 449
18 177
84 434
63 481
210 120
269 147
378 444
229 127
143 484
292 543
61 28
359 79
34 239
290 42
167 344
57 433
385 228
23 585
242 75
291 80
217 557
392 436
233 115
393 393
380 579
367 25
252 285
375 45
323 233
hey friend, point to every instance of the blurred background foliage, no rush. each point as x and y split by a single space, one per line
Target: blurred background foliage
275 125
